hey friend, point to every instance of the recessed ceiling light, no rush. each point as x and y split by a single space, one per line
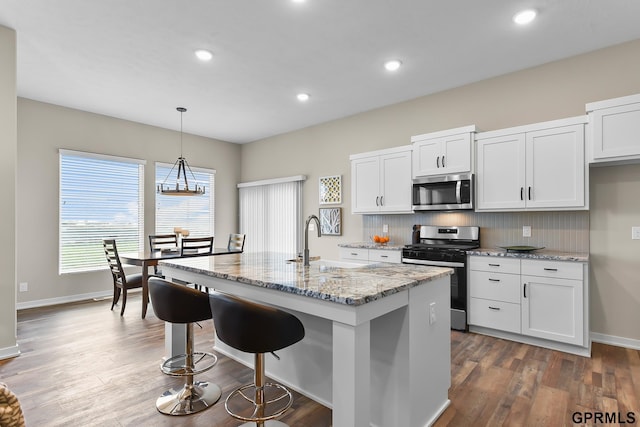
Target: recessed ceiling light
303 97
298 1
392 65
524 17
204 55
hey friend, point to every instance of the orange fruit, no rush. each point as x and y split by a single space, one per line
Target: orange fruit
376 238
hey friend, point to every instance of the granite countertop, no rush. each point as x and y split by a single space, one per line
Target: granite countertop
350 286
543 254
372 245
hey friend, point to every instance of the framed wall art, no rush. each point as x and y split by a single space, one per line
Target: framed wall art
330 189
331 221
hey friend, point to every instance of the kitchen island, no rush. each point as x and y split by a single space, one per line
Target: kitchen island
377 343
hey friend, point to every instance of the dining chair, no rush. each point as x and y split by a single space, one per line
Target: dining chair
196 245
236 242
121 281
162 242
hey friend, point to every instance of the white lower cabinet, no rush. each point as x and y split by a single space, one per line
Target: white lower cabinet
543 299
376 255
552 301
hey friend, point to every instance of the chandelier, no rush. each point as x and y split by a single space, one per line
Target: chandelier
181 187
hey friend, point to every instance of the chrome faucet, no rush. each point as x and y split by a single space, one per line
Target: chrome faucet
306 238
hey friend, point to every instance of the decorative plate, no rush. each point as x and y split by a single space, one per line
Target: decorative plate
521 248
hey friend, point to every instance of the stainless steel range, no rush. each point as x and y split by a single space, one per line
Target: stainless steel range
446 247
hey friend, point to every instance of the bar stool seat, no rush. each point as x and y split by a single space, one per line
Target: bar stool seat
258 329
175 303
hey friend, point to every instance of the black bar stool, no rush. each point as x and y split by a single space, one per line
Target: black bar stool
258 329
179 304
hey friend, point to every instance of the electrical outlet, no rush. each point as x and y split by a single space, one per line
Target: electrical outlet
635 233
432 313
24 287
385 228
526 231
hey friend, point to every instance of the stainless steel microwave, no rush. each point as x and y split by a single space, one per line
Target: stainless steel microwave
443 193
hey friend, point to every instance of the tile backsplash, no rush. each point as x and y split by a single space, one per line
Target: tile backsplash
561 231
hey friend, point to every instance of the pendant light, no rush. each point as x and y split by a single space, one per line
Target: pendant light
181 187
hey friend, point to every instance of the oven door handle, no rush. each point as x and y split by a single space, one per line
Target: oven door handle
432 263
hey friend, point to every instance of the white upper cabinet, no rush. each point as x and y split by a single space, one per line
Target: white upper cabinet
615 130
381 181
445 152
535 167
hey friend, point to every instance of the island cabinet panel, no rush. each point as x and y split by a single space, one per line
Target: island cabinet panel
535 167
381 181
445 152
615 128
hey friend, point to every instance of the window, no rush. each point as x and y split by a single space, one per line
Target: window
271 215
100 196
193 213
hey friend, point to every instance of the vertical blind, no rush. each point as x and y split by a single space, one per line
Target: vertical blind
270 215
193 213
100 197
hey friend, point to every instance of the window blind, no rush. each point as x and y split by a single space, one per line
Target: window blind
100 196
193 213
271 215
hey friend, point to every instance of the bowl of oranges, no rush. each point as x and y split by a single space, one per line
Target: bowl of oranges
381 240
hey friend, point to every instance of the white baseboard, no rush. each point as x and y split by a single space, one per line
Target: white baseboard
617 341
9 352
63 300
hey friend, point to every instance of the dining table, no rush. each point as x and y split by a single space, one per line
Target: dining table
149 258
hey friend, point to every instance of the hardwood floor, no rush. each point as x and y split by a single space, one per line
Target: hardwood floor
84 365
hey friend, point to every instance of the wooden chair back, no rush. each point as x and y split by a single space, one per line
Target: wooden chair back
196 245
113 259
236 242
158 242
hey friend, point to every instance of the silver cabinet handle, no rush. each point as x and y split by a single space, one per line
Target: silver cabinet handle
384 256
550 269
529 193
494 265
525 290
381 200
438 161
442 161
377 200
494 280
494 308
354 253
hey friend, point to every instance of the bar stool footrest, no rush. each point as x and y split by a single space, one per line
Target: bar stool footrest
177 366
241 404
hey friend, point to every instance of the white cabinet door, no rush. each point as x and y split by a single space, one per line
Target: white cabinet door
615 132
456 153
555 168
500 172
444 155
553 309
395 182
365 184
426 157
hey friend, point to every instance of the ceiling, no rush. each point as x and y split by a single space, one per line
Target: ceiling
135 59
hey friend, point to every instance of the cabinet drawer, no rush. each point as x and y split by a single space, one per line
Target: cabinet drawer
495 286
385 255
495 314
495 264
559 269
354 253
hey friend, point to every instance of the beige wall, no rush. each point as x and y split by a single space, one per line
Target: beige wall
8 150
42 130
552 91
